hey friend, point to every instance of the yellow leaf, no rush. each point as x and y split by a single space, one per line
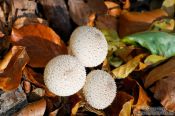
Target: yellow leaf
124 70
126 110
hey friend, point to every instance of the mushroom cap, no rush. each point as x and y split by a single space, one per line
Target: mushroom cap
89 45
99 89
64 75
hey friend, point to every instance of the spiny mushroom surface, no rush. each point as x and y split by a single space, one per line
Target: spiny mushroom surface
99 89
89 45
64 75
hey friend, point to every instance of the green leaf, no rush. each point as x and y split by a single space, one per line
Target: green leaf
112 39
115 61
158 43
166 25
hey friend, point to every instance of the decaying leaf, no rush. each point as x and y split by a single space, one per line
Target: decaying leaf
80 10
164 90
124 70
160 72
57 14
22 21
41 42
33 109
11 73
132 22
121 106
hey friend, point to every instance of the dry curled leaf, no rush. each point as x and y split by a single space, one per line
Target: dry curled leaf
132 22
124 70
33 109
41 42
160 72
22 21
80 10
14 63
121 106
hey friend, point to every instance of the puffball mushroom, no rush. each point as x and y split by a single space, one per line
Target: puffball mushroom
99 89
64 75
89 45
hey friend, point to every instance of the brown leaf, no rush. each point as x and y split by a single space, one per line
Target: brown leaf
164 90
57 14
132 22
106 22
33 77
160 72
80 10
121 106
22 21
41 42
113 8
33 109
11 73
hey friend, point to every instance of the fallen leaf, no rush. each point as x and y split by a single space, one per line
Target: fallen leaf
113 8
80 10
154 59
33 109
121 105
124 70
41 42
10 76
132 22
126 5
160 72
22 21
75 101
141 99
166 25
24 8
57 14
164 90
33 77
169 7
158 43
106 22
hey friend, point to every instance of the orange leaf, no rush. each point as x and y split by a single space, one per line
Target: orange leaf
132 22
33 109
41 42
11 73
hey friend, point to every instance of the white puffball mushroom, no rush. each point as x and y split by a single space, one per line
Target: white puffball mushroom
99 89
89 45
64 75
